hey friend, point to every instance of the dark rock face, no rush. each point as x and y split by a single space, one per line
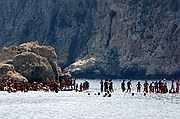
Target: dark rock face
115 38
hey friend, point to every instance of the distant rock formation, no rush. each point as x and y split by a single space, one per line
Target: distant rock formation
126 38
35 62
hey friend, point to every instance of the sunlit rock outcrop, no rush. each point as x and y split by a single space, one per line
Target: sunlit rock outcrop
7 72
33 61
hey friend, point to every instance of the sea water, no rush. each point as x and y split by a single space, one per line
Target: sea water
76 105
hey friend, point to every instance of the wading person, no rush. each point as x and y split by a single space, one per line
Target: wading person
74 83
56 87
160 84
111 86
71 83
172 90
165 86
129 86
123 86
106 85
101 83
151 87
146 86
76 87
139 87
81 87
86 85
15 85
177 86
156 87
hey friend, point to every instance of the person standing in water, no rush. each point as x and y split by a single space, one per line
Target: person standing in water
76 87
111 86
156 87
146 86
177 86
56 87
139 87
123 86
151 87
172 90
81 87
106 85
129 86
102 83
74 83
165 86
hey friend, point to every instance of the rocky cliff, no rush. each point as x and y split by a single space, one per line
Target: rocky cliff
115 38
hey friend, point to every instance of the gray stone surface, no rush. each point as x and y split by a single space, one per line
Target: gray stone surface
127 38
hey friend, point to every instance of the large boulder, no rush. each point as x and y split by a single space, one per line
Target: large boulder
7 72
35 62
33 66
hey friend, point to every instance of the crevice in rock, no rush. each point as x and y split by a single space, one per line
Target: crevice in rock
51 33
112 14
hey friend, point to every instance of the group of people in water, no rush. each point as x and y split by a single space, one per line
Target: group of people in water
152 87
23 86
157 86
106 86
50 86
